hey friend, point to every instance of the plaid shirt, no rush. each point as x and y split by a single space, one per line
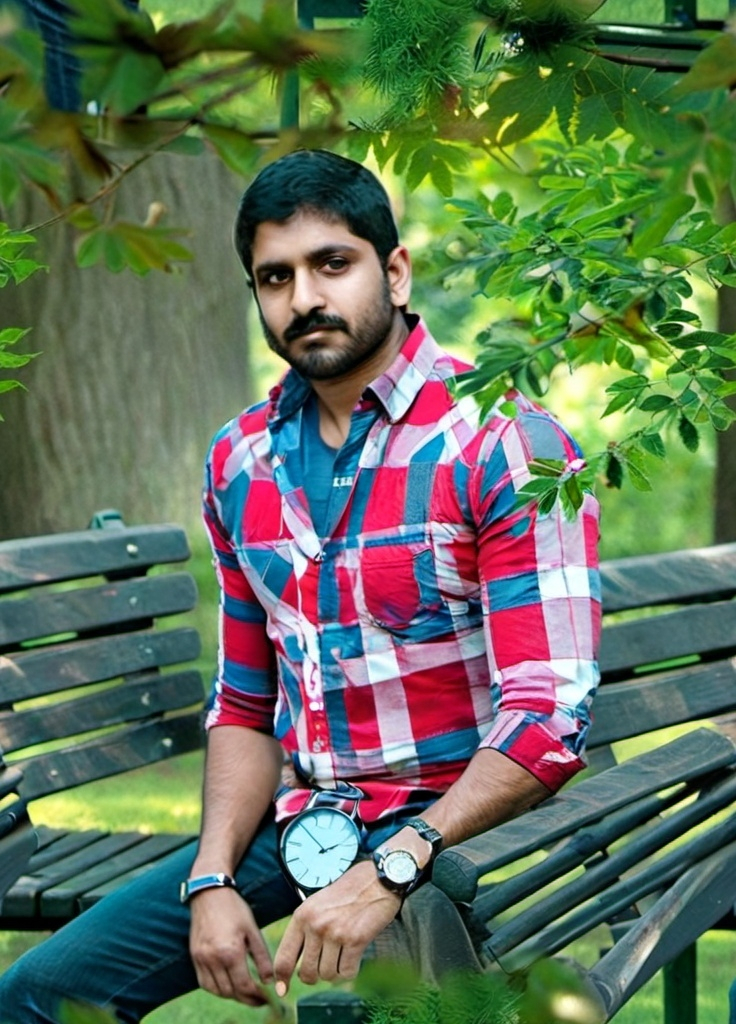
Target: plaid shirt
436 616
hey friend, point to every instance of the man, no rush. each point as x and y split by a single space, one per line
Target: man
399 636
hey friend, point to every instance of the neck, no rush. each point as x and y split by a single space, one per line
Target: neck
337 398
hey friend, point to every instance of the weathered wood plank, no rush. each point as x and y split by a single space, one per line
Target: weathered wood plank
143 698
48 614
703 630
16 848
46 670
30 562
23 899
605 873
669 578
63 899
100 758
456 871
517 944
694 903
91 896
688 694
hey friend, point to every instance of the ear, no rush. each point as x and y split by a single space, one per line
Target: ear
398 275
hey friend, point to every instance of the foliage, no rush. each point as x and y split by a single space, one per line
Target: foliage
599 272
393 996
15 267
602 269
553 992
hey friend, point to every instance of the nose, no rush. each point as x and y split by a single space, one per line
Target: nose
306 294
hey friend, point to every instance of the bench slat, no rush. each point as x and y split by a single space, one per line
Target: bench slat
669 578
695 903
94 608
143 698
23 900
63 899
32 561
632 856
709 629
47 670
110 755
503 944
697 753
689 694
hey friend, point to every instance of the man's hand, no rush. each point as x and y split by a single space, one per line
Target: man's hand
331 929
223 935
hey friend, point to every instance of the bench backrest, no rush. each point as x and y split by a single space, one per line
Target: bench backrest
668 645
91 685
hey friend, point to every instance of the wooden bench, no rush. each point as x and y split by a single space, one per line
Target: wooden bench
638 856
92 684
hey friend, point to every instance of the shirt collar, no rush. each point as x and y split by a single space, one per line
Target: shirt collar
395 389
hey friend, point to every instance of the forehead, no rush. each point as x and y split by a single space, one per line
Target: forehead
303 234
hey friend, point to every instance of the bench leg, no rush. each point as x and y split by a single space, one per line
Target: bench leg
330 1007
680 988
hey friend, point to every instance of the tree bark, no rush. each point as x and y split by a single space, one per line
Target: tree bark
724 517
135 373
724 524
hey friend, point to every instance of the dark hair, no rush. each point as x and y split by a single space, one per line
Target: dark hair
324 183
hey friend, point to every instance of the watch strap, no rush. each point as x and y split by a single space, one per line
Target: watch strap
192 886
426 831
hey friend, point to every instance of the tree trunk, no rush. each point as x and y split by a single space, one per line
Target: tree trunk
724 526
135 373
724 519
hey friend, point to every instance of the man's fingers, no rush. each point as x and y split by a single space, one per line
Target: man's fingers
287 955
261 957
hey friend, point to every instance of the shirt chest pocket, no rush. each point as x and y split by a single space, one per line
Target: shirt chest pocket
400 592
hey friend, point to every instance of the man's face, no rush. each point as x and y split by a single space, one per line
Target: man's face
326 304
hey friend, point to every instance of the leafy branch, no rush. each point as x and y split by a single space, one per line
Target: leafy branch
602 269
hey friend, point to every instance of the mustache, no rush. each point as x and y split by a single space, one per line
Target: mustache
304 324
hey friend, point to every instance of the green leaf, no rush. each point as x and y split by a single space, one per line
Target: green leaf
653 444
620 401
638 478
657 229
714 68
419 168
703 190
656 403
237 150
614 471
562 182
441 176
688 434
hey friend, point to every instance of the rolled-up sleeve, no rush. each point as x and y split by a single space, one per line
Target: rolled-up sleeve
541 601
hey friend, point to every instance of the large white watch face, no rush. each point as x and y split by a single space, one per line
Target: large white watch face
319 846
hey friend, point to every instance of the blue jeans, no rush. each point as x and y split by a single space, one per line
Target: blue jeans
732 1004
129 953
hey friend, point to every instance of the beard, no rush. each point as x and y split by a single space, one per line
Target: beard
320 360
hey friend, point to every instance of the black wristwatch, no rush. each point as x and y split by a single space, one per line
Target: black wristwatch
397 868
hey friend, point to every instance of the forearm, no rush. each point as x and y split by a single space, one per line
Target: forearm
242 771
492 789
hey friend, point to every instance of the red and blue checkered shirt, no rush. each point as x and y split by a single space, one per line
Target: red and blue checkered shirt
435 617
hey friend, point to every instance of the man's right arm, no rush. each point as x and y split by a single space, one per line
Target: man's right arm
241 774
242 771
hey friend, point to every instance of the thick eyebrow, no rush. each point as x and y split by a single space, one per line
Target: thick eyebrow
315 258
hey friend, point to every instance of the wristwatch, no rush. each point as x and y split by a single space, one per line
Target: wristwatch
397 868
322 841
192 886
